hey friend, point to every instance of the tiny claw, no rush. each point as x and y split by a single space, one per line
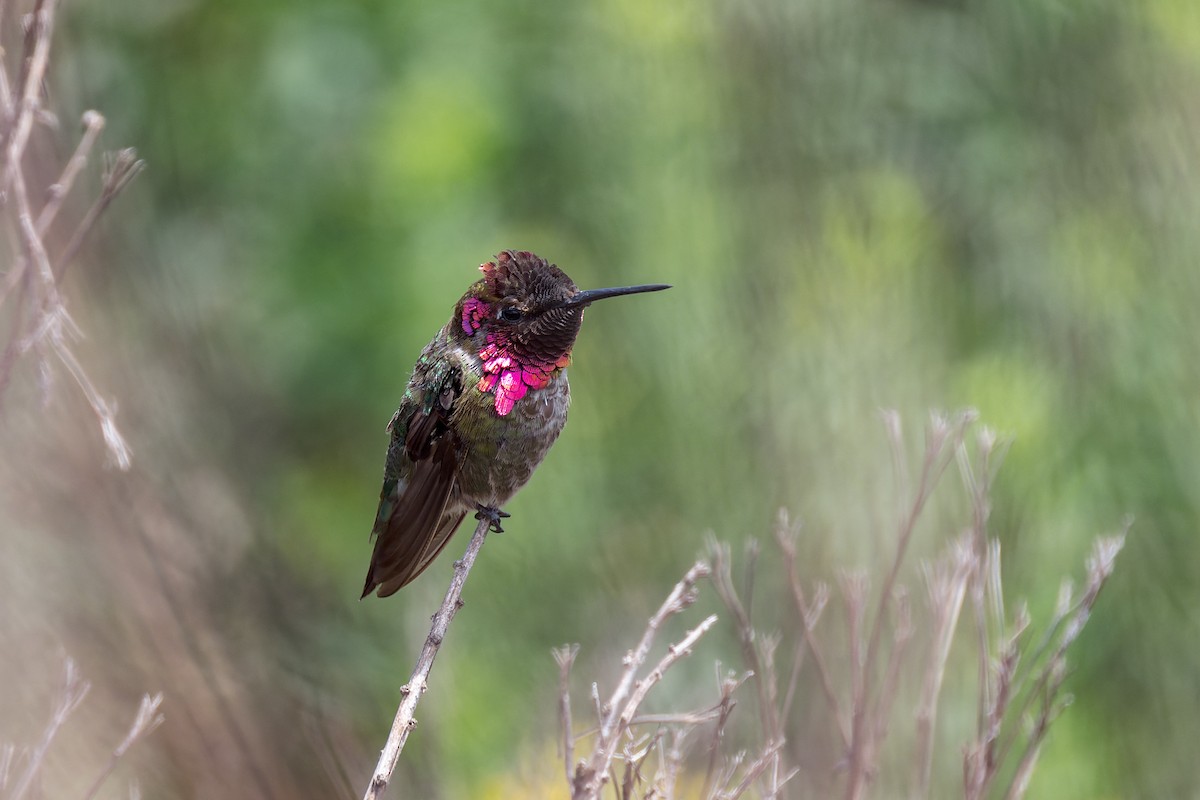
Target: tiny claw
492 515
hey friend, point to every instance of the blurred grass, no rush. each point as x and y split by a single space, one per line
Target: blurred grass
860 204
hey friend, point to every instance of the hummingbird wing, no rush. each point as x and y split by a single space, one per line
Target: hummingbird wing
416 516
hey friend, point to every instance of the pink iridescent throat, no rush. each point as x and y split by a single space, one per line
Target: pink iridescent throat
505 371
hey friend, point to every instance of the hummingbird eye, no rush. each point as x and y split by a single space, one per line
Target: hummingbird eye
511 314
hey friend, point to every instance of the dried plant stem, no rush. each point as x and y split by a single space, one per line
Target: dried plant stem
565 658
40 321
93 124
618 714
808 620
33 73
623 720
119 170
759 658
144 723
725 707
941 432
946 582
73 691
769 757
417 684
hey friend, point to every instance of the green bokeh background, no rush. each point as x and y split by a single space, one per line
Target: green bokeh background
862 204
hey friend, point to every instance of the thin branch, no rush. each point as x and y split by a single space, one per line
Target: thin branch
120 170
808 620
418 683
619 723
901 637
617 715
725 707
763 675
118 449
768 757
144 723
946 582
34 70
673 760
941 431
682 596
72 694
565 658
93 124
673 654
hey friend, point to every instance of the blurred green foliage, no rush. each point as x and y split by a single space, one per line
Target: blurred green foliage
861 203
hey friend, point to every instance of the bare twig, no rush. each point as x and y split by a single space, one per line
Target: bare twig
40 309
767 758
93 124
756 654
74 689
940 433
682 596
119 171
417 684
809 614
673 759
118 450
901 636
565 658
946 582
728 685
144 723
1044 686
33 72
597 768
618 714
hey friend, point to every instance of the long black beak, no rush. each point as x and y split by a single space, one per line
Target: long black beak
592 295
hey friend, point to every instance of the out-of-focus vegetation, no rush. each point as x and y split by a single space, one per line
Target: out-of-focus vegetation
860 203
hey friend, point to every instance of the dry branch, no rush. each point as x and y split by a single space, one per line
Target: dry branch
39 320
144 723
617 716
417 684
74 689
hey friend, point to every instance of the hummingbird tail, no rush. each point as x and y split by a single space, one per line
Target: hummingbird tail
390 581
415 520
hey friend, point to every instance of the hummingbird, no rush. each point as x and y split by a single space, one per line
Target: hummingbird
487 398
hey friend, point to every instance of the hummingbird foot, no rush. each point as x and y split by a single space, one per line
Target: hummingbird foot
492 515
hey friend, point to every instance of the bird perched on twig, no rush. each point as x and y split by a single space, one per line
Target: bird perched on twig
487 398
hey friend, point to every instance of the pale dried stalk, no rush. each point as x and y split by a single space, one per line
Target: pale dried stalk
946 582
597 769
618 714
93 124
901 636
1045 686
759 658
674 761
144 723
769 757
940 433
48 319
34 69
119 170
417 684
728 686
808 620
73 691
682 596
565 658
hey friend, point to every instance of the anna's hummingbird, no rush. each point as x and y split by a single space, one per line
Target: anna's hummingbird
487 398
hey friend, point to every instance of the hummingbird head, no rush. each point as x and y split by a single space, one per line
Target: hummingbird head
522 319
